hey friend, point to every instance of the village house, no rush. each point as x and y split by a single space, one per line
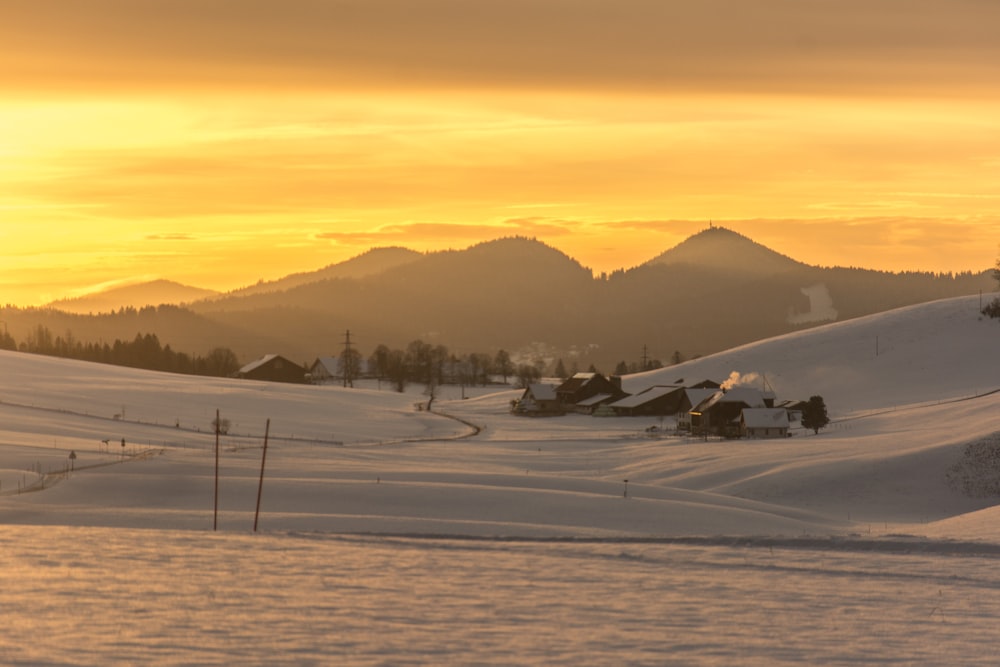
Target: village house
273 368
538 400
764 423
326 370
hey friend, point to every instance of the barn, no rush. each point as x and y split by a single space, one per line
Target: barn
273 368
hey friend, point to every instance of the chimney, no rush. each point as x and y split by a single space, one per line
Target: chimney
616 381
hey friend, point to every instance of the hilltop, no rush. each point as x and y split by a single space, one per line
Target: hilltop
721 249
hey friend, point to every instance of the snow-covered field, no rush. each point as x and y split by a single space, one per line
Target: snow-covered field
390 535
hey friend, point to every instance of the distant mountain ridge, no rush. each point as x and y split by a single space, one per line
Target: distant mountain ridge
374 261
715 291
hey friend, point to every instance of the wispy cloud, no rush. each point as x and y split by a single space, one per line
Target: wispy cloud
170 237
433 232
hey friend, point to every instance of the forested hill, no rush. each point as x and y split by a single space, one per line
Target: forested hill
715 291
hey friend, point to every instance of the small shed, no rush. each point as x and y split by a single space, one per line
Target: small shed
794 409
764 423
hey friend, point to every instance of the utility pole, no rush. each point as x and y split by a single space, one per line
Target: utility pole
645 359
348 361
215 513
260 485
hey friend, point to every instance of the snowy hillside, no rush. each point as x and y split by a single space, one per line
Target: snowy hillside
368 461
925 353
391 535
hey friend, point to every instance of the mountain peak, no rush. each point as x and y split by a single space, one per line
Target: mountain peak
720 248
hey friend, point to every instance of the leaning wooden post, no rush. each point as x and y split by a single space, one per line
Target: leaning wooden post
215 516
260 486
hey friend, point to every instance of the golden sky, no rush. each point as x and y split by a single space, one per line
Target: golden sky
218 142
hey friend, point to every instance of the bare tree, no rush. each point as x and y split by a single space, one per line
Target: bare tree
502 365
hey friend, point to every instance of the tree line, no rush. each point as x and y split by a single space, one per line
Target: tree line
144 351
417 363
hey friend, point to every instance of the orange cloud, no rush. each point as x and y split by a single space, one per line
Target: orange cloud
876 48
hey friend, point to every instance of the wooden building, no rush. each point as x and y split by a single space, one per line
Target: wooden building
273 368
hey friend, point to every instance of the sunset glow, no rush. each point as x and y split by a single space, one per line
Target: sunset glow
217 145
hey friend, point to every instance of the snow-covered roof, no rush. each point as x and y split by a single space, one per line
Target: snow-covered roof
765 417
331 364
593 400
698 395
754 398
643 397
542 392
253 365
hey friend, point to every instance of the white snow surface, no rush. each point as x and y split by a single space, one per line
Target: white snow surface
467 535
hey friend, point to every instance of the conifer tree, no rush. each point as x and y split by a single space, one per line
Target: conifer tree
814 414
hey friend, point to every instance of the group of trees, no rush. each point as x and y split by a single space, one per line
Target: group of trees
144 351
992 309
434 365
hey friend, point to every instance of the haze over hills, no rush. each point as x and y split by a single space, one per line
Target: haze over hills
373 262
151 293
716 290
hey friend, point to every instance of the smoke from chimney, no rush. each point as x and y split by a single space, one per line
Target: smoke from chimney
736 380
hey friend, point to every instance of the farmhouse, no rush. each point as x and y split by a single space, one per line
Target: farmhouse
764 423
273 368
691 397
720 413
